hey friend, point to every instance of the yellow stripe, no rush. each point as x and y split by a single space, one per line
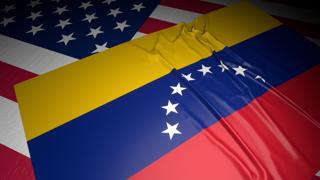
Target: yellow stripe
55 98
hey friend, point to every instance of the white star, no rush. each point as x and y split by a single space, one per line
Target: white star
138 7
204 69
188 77
240 70
259 77
63 23
171 130
108 1
34 16
223 66
177 89
95 32
100 48
66 38
121 26
85 5
8 8
170 107
35 29
61 10
90 17
6 21
114 12
34 3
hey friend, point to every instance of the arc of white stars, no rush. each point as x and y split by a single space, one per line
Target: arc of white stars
223 66
114 12
8 8
63 23
90 17
259 77
7 21
34 3
34 15
170 107
100 48
60 10
108 1
188 77
66 38
138 7
85 5
94 32
204 69
171 130
35 29
122 25
177 89
240 70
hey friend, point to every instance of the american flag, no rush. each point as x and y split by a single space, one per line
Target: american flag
38 36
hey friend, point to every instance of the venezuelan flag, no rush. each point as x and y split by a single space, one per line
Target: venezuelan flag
232 95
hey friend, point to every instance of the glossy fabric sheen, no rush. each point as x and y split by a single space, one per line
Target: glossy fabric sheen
106 76
120 138
274 137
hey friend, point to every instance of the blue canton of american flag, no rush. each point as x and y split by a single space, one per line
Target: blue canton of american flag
75 28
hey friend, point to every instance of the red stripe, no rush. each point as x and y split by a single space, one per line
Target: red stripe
270 138
307 29
152 25
9 76
192 5
14 166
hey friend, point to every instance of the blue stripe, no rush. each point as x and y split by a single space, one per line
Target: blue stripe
120 138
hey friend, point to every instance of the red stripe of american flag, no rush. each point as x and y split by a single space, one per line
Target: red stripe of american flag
9 76
154 24
14 166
